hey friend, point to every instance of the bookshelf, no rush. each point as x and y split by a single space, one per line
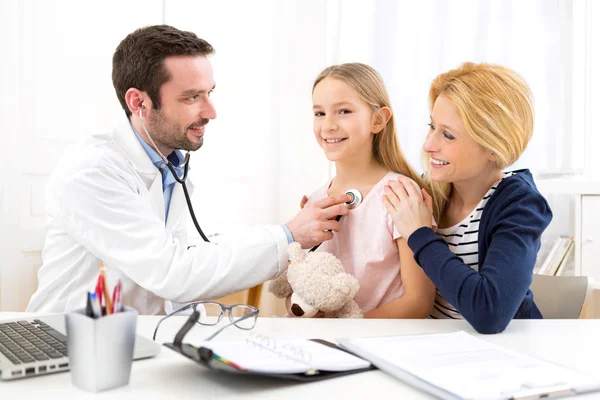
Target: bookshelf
587 236
558 261
586 233
586 215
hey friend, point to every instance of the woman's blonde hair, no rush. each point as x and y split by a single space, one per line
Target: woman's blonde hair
369 86
496 107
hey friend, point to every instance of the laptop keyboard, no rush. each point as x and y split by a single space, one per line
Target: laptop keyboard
23 342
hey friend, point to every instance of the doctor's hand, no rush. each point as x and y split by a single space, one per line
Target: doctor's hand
303 201
409 208
316 220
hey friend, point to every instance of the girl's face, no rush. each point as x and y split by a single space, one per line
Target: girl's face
343 123
453 154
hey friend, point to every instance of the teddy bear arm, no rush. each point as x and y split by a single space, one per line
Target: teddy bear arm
281 287
350 310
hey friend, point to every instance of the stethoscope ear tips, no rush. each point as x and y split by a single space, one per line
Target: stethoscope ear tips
356 198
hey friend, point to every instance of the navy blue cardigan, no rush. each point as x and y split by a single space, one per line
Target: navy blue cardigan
509 238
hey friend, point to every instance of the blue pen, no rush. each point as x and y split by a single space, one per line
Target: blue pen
88 306
95 305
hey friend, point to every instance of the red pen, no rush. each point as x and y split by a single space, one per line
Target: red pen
100 290
107 302
117 297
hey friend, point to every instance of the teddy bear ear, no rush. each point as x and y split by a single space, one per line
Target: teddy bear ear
296 253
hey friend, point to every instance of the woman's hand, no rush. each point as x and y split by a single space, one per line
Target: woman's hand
407 208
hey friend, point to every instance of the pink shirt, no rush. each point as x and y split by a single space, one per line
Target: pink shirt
366 246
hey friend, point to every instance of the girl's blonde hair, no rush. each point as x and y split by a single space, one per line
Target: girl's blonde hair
496 106
369 86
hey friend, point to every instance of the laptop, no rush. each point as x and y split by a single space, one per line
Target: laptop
38 346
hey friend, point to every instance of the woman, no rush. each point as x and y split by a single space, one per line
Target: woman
482 256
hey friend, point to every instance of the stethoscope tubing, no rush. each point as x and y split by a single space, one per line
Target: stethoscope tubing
355 193
186 166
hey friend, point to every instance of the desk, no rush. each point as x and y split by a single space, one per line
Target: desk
171 376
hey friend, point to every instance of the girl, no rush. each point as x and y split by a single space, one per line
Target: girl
353 123
482 257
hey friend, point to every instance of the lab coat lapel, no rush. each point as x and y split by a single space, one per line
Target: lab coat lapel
125 139
157 198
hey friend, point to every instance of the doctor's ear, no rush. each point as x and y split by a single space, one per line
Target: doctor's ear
136 101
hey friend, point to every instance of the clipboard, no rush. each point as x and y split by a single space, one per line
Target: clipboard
538 378
210 359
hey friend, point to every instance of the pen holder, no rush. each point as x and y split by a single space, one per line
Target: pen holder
101 349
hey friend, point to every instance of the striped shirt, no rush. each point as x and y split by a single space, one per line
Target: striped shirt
463 241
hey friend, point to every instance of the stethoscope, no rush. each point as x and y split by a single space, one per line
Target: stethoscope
186 166
356 196
356 199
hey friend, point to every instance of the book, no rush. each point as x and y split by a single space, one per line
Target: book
457 365
543 266
298 359
555 257
567 262
559 257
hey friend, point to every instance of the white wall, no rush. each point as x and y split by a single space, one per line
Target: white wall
55 90
259 156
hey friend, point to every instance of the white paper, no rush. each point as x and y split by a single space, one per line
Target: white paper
285 356
469 367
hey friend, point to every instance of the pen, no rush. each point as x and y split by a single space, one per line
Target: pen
117 297
88 306
96 308
107 301
99 288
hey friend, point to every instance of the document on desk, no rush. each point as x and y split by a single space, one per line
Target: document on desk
284 356
457 365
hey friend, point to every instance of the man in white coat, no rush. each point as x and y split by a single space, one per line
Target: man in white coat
114 201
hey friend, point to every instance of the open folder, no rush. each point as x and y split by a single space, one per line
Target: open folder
457 365
299 359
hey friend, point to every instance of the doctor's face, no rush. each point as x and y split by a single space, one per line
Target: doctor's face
185 107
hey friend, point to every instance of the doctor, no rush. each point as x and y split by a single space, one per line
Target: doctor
113 200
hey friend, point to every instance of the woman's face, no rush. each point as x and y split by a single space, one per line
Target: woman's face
454 156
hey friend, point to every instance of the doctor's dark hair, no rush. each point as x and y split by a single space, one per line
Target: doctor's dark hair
139 59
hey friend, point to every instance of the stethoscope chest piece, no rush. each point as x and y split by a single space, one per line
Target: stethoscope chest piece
353 203
356 198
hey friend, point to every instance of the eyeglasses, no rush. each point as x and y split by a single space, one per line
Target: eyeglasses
209 313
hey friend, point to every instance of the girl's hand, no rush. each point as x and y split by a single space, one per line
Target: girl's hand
407 208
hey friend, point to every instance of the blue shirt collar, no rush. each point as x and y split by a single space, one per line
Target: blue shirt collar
176 157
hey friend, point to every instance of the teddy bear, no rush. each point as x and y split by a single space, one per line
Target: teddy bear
317 282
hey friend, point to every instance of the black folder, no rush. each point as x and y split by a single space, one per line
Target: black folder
207 358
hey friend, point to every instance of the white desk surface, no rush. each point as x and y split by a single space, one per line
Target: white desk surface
574 343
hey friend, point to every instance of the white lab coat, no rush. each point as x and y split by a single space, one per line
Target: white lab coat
104 202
